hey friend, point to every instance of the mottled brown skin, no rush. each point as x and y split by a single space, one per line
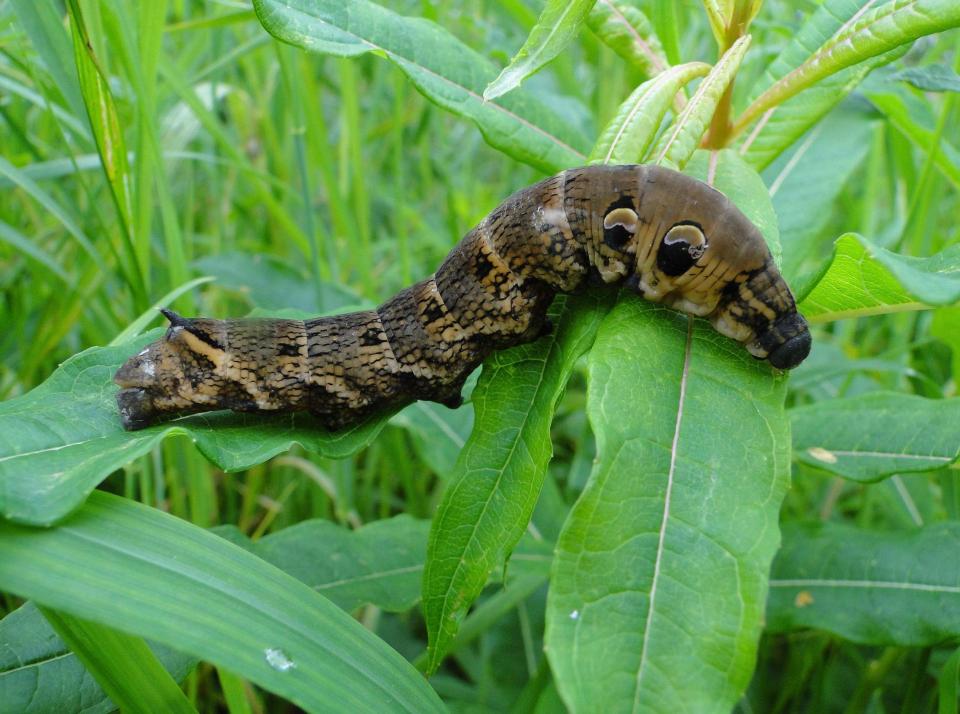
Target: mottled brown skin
669 237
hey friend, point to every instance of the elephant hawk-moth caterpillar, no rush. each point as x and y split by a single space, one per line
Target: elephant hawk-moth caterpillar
670 238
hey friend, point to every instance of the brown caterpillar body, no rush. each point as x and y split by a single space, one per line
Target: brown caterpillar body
671 238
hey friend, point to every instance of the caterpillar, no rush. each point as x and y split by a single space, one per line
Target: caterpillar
670 238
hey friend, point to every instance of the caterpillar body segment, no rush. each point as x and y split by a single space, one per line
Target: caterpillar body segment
667 236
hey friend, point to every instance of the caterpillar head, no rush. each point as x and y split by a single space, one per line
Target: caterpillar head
177 374
702 255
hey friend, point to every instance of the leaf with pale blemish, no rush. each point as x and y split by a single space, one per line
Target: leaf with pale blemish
871 437
899 588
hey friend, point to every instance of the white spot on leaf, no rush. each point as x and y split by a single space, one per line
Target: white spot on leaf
278 659
820 454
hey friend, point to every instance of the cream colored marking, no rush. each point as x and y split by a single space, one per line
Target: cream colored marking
215 355
625 217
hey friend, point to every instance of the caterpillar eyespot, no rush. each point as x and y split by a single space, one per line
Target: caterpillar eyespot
667 236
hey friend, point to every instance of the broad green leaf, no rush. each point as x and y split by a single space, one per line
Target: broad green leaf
806 182
681 138
864 279
144 572
39 674
123 664
869 33
899 588
441 67
557 26
631 131
870 437
660 574
58 441
946 328
914 119
273 284
783 124
493 490
380 563
932 78
623 27
438 433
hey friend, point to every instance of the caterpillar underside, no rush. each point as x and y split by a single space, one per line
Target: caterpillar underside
669 237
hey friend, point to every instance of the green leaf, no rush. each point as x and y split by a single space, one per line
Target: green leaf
557 26
43 24
659 577
438 433
18 241
865 35
946 328
660 573
914 119
785 123
631 131
58 441
442 68
273 284
932 78
873 436
898 588
864 279
495 484
18 177
681 138
380 563
623 27
144 572
105 123
949 684
805 184
39 674
123 665
718 16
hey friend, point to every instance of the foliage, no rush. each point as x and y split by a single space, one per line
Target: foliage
599 528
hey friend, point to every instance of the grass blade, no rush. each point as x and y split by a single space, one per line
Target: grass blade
136 569
123 665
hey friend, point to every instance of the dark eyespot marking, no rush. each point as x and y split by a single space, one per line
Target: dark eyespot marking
682 246
619 225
